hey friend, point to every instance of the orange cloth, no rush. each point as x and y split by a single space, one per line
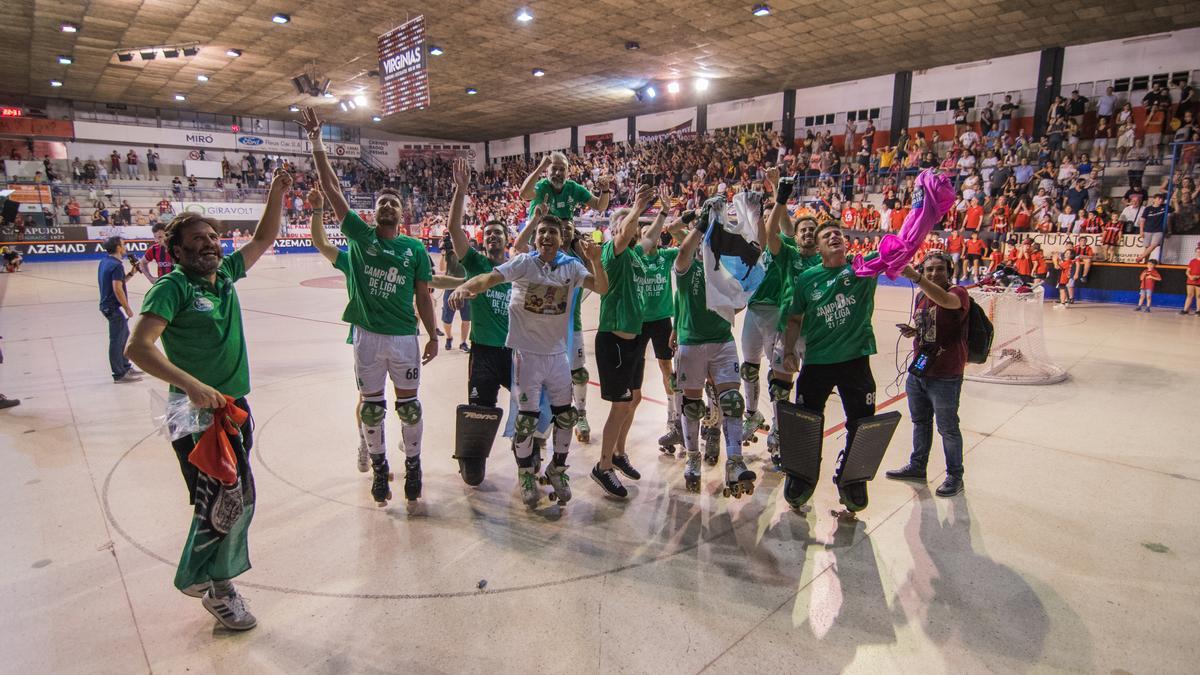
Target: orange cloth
213 454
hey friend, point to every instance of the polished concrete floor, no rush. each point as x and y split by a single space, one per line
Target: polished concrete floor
1074 547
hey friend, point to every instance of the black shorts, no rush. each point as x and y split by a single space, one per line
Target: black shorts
855 385
488 369
657 333
620 364
973 257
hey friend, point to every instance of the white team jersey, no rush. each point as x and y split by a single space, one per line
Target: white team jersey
539 319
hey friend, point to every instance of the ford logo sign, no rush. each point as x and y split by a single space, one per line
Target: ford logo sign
250 140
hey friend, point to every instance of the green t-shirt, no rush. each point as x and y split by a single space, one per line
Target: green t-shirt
562 204
837 306
622 307
204 335
695 323
793 263
342 264
489 310
656 284
771 288
383 276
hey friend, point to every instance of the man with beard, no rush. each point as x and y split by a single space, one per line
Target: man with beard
195 310
389 271
543 284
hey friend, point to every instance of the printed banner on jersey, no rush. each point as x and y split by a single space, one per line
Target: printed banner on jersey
731 253
403 80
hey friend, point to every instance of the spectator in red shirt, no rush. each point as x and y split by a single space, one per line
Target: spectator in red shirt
157 253
1066 279
1001 215
974 218
1037 260
871 217
974 248
1083 259
1111 237
954 246
934 380
1193 285
850 217
1149 277
997 257
898 216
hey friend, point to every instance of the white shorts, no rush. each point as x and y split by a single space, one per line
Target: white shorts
716 361
532 372
577 360
758 331
378 356
777 352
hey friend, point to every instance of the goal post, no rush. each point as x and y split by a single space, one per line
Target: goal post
1018 354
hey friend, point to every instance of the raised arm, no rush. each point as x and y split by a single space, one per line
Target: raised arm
317 226
474 287
687 250
268 226
940 296
782 190
650 241
528 191
628 229
521 243
598 281
329 181
462 177
600 201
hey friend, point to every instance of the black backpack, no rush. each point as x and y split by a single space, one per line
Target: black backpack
979 334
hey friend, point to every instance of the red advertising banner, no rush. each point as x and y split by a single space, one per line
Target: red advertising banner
602 139
29 126
403 80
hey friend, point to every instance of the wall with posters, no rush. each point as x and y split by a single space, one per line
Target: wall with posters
619 129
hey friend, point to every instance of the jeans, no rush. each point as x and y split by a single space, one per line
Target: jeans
929 397
118 335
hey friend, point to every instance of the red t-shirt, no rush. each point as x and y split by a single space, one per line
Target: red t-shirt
974 246
997 258
1112 234
1038 260
871 218
850 217
158 254
1194 270
974 217
1065 270
946 329
1021 222
954 243
1150 278
898 216
1024 265
164 206
1083 251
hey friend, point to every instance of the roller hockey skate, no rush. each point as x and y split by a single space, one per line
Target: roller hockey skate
712 443
773 449
668 441
753 422
560 486
412 478
380 489
527 480
691 472
797 491
364 461
738 479
583 430
539 446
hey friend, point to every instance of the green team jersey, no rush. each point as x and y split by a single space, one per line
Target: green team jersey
695 323
204 335
489 310
793 262
771 288
562 204
837 306
623 306
383 279
656 284
342 264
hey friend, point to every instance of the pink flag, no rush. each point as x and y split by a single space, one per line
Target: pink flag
932 198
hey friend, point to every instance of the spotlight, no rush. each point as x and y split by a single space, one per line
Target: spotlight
538 72
632 46
172 53
65 60
471 91
234 53
351 105
55 83
650 93
293 108
524 16
376 118
672 87
281 18
360 100
180 97
125 57
435 50
191 51
342 105
148 55
69 28
701 84
762 10
202 77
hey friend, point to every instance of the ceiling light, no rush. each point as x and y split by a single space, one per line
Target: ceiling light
191 51
171 53
360 100
538 72
650 93
202 77
281 18
125 57
69 28
148 55
762 10
471 91
524 16
435 50
376 118
293 108
65 60
342 105
632 46
672 87
55 83
180 97
351 104
233 53
701 84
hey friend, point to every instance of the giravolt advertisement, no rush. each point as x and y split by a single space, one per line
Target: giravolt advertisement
403 80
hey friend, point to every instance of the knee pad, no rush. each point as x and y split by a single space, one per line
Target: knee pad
371 413
780 389
526 425
409 411
673 381
694 408
749 372
732 403
580 376
565 416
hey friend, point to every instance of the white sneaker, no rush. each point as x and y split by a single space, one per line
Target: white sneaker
197 590
230 610
129 376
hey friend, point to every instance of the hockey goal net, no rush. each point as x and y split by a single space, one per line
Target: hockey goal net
1018 354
